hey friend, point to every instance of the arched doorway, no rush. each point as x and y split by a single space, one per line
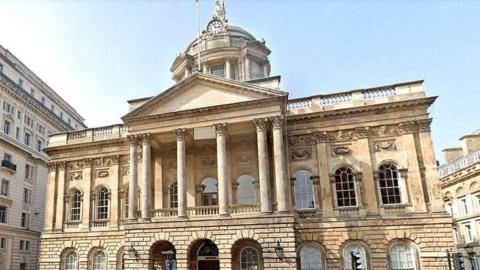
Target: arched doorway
203 255
162 256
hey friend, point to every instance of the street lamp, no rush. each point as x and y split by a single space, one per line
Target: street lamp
279 251
132 252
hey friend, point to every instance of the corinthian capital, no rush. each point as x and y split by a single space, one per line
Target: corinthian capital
180 133
261 123
133 139
220 129
145 138
277 121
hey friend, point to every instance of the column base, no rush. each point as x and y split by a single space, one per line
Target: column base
131 220
145 220
182 217
282 212
266 213
224 215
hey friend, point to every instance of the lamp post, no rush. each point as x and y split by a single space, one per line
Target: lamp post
132 252
279 251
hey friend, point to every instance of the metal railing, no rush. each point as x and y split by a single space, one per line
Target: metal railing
9 165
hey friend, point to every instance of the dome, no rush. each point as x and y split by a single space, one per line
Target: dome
236 35
223 50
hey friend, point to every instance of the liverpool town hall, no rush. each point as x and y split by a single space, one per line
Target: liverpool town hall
224 171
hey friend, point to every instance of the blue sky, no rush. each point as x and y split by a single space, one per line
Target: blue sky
98 54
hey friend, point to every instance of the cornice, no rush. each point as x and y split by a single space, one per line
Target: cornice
15 146
84 145
460 176
361 109
30 101
204 110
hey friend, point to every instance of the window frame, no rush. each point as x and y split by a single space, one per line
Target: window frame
407 244
248 199
346 262
350 171
75 194
399 188
105 207
173 195
258 262
95 264
4 216
305 195
66 264
319 248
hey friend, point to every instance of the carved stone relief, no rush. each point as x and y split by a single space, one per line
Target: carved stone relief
301 154
75 176
125 170
341 150
102 173
385 146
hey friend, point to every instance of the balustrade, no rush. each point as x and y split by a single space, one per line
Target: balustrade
378 93
299 104
164 213
336 99
202 211
244 209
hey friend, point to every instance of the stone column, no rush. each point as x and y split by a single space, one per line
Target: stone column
87 209
261 125
146 178
280 167
132 183
247 69
326 192
181 173
222 169
49 203
59 212
227 69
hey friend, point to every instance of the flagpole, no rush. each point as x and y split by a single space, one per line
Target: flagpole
198 39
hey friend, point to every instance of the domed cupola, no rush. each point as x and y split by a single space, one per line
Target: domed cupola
225 50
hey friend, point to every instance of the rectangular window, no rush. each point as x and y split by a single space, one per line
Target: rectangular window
463 206
7 157
27 245
17 133
20 83
27 196
1 68
3 243
4 187
61 115
6 127
218 70
39 145
23 266
32 92
26 139
468 233
28 171
449 209
456 237
43 101
52 108
19 114
22 244
25 222
3 214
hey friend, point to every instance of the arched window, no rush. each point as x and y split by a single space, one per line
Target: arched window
389 184
249 259
209 192
70 261
310 258
358 251
246 190
303 187
103 201
75 205
99 260
402 257
345 187
173 195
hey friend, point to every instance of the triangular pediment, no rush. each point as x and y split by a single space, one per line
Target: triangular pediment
202 91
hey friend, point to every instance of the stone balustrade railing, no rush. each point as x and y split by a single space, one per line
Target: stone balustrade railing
459 163
88 135
360 97
164 213
202 211
244 209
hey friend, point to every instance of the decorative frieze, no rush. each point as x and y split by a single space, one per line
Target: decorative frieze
102 173
75 176
79 164
383 131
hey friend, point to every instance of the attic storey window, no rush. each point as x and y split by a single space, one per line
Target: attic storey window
218 70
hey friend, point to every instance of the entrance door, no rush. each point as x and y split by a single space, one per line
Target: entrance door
208 265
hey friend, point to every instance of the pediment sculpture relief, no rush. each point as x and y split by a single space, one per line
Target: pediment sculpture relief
102 173
341 150
75 176
385 146
301 154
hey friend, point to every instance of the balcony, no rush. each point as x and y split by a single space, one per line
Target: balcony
8 166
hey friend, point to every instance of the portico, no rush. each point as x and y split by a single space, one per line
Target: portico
234 124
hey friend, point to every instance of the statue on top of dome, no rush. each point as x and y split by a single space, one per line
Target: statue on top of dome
219 10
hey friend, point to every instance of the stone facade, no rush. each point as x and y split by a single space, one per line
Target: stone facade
25 122
222 172
460 177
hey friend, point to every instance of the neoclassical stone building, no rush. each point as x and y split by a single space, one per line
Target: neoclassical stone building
460 181
224 171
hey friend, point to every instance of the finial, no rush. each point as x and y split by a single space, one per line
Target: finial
219 11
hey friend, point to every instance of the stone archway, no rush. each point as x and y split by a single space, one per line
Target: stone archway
203 255
162 256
